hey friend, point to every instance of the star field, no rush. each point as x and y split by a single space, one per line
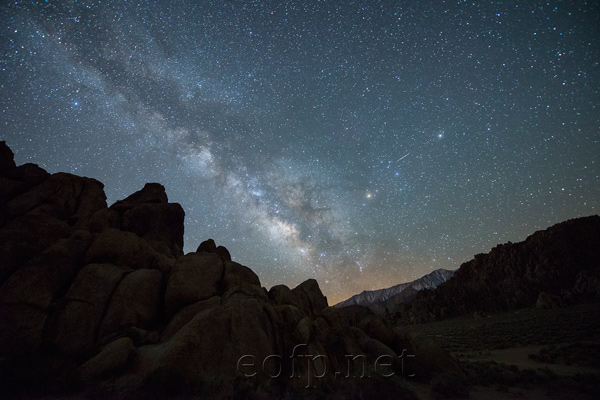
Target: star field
362 143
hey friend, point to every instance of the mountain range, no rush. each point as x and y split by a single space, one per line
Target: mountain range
388 300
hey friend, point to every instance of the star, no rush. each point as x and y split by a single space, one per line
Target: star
267 123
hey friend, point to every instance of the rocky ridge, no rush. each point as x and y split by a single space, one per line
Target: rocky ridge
554 267
101 301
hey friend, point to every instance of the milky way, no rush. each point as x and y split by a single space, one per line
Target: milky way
360 143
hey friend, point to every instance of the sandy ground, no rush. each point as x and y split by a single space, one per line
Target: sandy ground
519 356
487 393
509 339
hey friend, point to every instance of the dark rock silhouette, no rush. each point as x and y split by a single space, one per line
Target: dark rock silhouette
101 301
209 246
148 214
7 159
556 266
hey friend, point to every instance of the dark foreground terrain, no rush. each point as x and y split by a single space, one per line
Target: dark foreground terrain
100 301
531 353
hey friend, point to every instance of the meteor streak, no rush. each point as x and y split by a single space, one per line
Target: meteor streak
403 157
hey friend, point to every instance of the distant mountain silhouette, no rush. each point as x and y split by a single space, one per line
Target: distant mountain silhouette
388 300
553 267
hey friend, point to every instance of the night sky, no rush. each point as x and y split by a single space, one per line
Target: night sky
361 143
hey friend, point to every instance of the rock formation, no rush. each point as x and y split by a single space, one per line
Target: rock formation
552 267
101 301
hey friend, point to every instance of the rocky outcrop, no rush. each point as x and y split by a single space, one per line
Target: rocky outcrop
111 358
194 277
209 246
80 312
37 209
99 301
556 266
149 215
7 159
310 297
135 304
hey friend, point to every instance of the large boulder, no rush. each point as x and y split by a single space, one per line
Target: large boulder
206 352
15 181
122 248
30 174
209 246
283 295
65 196
103 219
150 193
24 237
237 275
238 293
161 225
9 188
186 314
43 277
223 253
80 312
27 295
310 296
148 214
194 277
135 303
113 357
7 158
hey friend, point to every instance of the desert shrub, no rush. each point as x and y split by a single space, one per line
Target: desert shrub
448 386
578 353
